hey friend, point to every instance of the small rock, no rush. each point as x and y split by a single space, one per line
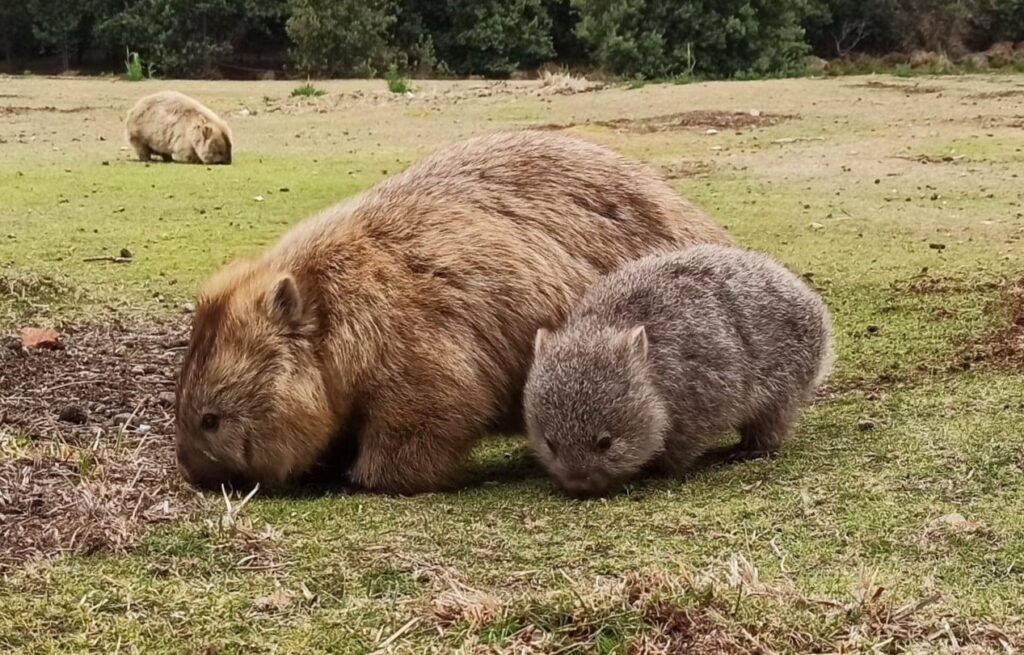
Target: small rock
284 189
872 329
258 198
865 424
119 210
126 254
244 112
188 308
150 369
755 112
105 163
40 338
144 429
166 398
816 226
937 246
711 130
138 370
125 419
73 414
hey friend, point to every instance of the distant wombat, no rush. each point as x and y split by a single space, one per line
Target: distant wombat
667 353
176 127
382 337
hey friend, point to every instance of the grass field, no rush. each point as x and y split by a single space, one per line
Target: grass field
894 520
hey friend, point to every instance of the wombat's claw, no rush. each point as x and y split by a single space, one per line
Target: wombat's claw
744 455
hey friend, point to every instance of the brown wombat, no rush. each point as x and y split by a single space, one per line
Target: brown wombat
175 127
397 327
667 353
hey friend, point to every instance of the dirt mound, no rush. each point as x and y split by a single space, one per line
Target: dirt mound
86 437
720 120
1004 347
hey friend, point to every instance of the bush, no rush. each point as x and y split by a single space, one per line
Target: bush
341 37
489 37
184 37
664 38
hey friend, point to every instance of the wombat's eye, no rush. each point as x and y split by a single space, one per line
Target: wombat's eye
209 422
551 445
604 443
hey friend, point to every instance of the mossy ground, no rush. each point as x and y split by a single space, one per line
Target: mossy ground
906 535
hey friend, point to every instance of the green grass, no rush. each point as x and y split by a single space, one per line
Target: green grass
307 90
396 83
816 550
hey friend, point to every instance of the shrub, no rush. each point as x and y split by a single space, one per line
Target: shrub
489 37
665 38
341 37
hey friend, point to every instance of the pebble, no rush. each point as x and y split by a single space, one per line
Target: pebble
865 424
122 419
138 370
166 398
149 369
188 308
872 329
74 414
125 253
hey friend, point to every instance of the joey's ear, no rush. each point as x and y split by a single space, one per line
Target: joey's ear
284 303
539 340
636 342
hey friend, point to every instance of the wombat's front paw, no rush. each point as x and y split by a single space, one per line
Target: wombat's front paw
739 454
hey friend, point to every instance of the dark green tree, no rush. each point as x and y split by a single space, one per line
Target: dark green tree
56 24
668 37
341 37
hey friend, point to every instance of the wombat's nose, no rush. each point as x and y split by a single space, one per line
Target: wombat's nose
198 470
582 485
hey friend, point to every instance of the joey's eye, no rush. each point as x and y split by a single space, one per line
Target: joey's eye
209 422
604 443
551 445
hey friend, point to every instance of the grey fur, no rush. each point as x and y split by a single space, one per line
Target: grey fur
667 353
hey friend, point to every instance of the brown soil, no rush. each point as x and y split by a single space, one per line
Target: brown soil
86 437
686 169
904 88
1005 347
15 110
721 120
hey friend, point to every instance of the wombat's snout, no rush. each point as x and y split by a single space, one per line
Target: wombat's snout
204 473
584 484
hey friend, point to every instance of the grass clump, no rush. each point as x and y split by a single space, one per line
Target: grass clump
134 70
307 90
396 83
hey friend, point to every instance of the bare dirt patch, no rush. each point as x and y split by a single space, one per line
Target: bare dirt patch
686 169
86 441
12 110
994 95
903 88
1004 347
721 120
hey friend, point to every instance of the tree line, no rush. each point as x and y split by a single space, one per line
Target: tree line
364 38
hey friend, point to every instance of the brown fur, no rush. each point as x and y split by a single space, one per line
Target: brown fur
175 127
400 323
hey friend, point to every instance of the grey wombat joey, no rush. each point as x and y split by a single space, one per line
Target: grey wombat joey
665 354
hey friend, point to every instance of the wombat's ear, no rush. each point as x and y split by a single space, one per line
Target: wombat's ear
207 132
538 341
636 340
284 303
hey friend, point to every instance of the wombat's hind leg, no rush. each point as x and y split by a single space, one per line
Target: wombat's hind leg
763 435
166 157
